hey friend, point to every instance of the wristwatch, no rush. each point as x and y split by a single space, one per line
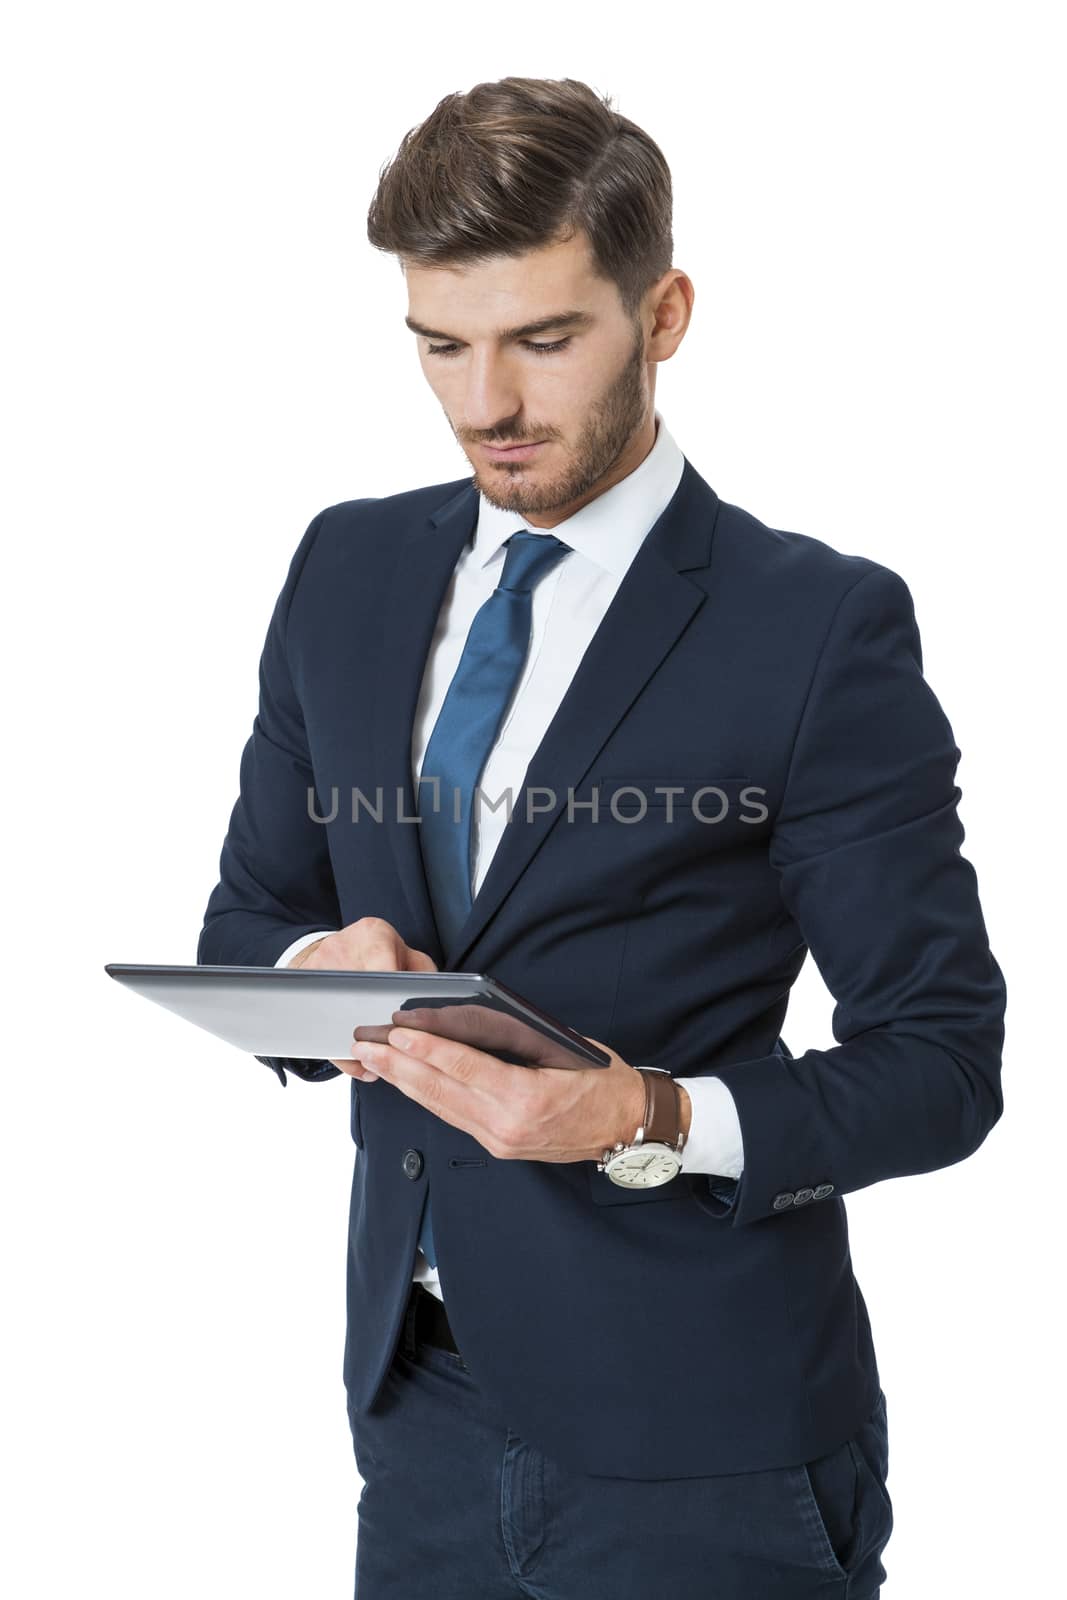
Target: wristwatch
655 1154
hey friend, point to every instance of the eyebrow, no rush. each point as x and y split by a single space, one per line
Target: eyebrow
559 319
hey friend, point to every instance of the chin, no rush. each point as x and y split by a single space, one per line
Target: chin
521 486
504 495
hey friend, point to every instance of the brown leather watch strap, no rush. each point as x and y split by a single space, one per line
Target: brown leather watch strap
663 1110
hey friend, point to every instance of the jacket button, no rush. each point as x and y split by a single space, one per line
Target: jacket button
823 1190
412 1163
782 1200
802 1196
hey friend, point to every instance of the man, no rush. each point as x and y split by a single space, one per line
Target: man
720 752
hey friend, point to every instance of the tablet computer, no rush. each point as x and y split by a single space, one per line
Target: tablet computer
318 1015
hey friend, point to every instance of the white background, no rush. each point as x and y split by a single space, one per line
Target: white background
200 351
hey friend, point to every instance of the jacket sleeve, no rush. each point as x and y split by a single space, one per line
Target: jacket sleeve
275 878
866 846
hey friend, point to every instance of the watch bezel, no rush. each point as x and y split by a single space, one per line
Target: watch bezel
614 1161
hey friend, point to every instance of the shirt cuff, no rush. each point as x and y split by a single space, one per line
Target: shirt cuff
714 1144
301 944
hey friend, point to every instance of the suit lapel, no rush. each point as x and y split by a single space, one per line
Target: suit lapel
416 590
652 607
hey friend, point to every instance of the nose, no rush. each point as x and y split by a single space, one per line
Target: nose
492 399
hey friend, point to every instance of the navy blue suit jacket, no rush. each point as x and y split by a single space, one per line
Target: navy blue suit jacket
707 1325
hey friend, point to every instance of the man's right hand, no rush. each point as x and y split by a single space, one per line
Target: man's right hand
369 945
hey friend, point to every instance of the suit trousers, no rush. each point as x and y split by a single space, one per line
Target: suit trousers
456 1507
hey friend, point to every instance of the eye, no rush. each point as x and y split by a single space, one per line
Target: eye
448 350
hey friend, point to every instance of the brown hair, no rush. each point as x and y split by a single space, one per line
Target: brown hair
524 162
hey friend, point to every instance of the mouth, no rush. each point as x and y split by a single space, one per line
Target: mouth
513 452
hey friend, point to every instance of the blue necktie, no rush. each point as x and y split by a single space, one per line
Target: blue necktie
478 696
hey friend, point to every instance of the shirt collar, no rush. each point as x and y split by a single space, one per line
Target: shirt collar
610 529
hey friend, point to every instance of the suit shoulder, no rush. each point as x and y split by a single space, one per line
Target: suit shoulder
799 567
376 512
365 530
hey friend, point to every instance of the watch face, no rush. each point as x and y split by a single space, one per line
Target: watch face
645 1167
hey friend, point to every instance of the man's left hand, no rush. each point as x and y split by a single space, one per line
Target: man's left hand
516 1113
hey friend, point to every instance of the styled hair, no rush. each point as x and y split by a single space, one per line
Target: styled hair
521 163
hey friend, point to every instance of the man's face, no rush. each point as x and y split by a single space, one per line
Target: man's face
577 389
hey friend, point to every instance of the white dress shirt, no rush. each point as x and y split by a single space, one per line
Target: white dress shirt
567 608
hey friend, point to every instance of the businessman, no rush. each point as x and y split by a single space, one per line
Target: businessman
574 721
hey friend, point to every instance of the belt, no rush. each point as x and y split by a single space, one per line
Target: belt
428 1320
